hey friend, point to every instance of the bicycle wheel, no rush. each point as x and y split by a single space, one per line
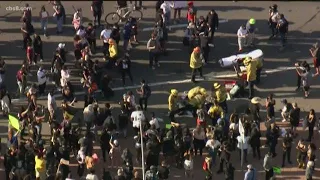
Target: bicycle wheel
137 14
112 18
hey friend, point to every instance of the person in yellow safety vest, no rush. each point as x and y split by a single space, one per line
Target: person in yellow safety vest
172 100
259 69
113 49
221 96
196 63
251 67
197 101
215 112
196 90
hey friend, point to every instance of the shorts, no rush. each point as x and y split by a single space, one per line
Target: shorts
306 88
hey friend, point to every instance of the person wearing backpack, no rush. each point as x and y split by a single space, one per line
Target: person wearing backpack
145 93
282 26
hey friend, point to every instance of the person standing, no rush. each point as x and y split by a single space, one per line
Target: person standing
153 47
91 37
127 31
137 117
250 26
267 165
196 63
177 7
286 147
207 167
251 174
166 9
310 170
37 45
22 80
204 44
242 37
192 13
273 20
220 93
255 140
44 15
302 153
294 116
42 80
213 24
243 145
145 93
105 36
97 10
305 77
26 29
30 55
251 68
283 26
315 53
311 121
59 15
125 68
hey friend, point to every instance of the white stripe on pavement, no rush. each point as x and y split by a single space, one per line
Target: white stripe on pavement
180 25
208 78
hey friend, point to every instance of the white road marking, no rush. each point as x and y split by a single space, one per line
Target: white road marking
208 78
180 25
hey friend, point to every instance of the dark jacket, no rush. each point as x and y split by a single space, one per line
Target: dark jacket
213 20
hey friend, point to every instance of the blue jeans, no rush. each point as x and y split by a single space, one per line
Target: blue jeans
59 24
167 18
251 88
44 24
282 38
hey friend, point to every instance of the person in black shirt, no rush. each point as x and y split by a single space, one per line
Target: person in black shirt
115 33
124 65
213 23
97 10
91 37
37 46
294 116
225 154
286 147
26 32
163 171
204 44
255 140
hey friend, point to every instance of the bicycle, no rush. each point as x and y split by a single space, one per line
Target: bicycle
117 16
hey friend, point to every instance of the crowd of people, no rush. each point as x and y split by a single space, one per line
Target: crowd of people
219 130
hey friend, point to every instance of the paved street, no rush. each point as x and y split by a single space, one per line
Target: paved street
279 78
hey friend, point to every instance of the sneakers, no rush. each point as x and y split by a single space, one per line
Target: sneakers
284 120
211 45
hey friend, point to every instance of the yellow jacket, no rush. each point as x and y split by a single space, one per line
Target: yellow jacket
197 101
195 62
172 100
221 94
252 71
196 90
216 111
40 165
113 51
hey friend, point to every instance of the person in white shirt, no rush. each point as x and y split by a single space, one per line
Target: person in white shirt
136 118
52 105
92 175
105 36
245 144
213 146
242 37
42 80
81 162
131 99
65 75
188 166
166 8
155 121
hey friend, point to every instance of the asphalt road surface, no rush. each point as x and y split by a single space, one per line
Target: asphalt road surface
304 30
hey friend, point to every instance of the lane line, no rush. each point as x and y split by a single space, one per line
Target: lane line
209 77
180 25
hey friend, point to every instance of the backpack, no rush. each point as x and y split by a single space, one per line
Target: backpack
19 75
147 90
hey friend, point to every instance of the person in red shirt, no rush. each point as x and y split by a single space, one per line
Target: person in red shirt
192 13
30 54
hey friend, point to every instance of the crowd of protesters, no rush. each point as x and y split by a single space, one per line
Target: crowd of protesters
29 156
